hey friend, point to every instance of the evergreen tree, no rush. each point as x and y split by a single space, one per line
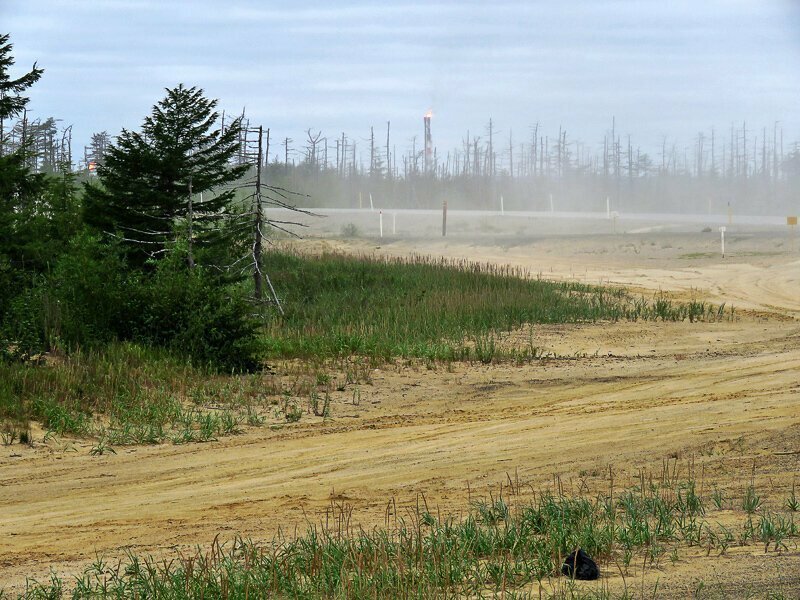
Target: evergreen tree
16 182
18 186
11 103
166 179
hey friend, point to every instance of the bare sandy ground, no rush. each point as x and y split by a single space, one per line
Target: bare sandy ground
719 398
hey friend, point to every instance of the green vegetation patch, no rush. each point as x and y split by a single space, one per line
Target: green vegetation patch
125 394
504 546
337 305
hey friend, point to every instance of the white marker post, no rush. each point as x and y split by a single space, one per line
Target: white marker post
371 207
551 202
502 208
394 223
722 239
380 220
608 207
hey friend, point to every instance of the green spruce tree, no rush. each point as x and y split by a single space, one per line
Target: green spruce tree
165 181
11 102
18 186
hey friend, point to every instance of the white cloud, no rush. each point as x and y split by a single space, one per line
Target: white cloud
662 66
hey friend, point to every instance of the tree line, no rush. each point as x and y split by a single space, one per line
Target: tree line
754 171
159 248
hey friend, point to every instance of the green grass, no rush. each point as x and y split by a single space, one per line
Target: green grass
502 546
439 309
343 313
128 394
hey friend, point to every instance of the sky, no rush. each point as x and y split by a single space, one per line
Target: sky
661 68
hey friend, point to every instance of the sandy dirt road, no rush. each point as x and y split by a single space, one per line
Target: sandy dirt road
720 396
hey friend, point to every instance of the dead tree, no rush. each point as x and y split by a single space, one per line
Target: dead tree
311 149
371 152
256 220
388 156
511 154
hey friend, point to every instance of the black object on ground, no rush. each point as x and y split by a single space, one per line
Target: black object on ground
580 565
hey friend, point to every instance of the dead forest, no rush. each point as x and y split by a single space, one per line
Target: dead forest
743 168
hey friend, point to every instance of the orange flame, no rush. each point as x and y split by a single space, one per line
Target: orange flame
429 114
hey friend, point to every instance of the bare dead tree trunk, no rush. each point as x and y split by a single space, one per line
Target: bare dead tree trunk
775 151
713 154
511 154
259 223
371 152
344 158
541 155
558 154
744 148
490 158
478 153
466 155
313 140
388 156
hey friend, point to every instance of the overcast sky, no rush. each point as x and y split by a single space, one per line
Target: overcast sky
661 67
